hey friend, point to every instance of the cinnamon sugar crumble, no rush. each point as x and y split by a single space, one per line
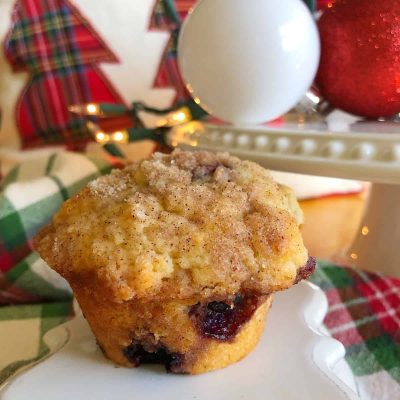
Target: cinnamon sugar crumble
180 225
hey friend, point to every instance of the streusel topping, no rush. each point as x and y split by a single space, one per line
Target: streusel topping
184 225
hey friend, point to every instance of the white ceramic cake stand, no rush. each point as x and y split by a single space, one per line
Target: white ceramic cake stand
340 147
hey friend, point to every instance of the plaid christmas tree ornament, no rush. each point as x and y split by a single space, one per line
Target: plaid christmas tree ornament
168 16
165 15
60 49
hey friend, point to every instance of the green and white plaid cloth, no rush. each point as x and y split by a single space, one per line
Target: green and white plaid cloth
31 193
364 308
34 298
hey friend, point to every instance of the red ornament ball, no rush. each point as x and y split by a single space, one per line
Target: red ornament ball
360 57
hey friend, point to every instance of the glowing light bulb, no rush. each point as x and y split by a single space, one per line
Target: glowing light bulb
186 134
92 109
101 137
120 136
177 117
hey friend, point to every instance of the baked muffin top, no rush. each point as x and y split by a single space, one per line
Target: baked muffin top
189 225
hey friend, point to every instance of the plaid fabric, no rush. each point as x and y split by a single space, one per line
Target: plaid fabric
364 315
32 281
183 7
52 40
22 329
168 74
29 195
167 15
50 35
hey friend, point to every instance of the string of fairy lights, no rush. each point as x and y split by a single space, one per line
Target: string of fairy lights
184 116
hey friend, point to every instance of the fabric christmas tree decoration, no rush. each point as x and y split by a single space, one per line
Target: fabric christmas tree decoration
63 52
168 16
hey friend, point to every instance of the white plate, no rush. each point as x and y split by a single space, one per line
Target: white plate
292 361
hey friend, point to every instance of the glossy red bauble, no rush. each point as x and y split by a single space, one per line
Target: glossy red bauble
360 57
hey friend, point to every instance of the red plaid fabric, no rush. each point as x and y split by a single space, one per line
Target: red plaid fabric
11 255
169 75
50 35
183 7
53 41
168 15
364 315
11 294
349 318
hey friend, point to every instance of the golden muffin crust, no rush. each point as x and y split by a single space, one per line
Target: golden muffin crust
121 328
189 225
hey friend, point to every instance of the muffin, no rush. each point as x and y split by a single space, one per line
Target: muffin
174 259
